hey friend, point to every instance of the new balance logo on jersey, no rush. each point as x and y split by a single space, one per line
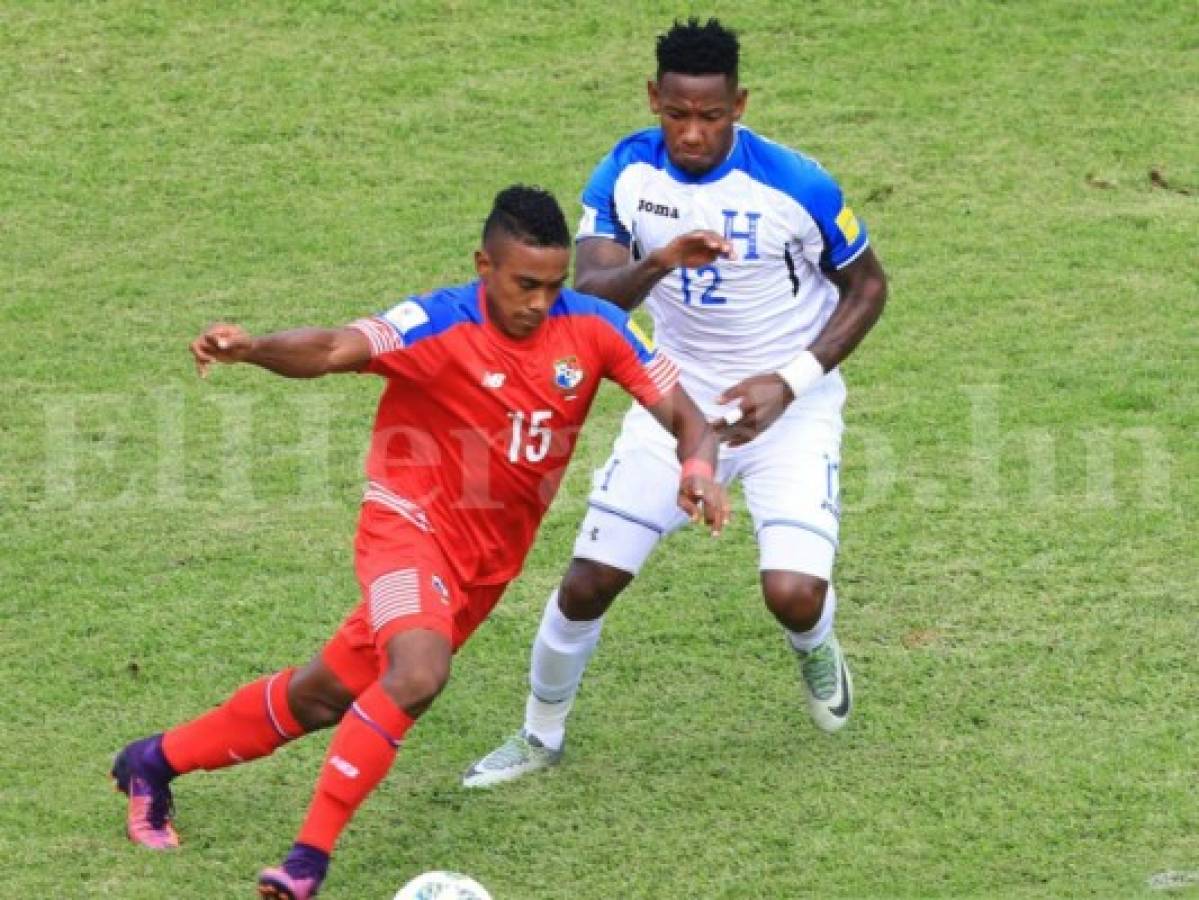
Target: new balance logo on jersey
494 379
658 209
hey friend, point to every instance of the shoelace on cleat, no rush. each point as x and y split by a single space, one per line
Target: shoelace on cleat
516 749
820 671
162 808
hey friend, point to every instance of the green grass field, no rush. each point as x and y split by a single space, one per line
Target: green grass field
1018 569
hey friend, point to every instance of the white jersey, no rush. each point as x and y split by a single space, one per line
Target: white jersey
737 317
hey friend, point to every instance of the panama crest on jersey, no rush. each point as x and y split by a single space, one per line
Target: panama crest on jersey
568 375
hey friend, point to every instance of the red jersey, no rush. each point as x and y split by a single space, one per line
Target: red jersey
475 429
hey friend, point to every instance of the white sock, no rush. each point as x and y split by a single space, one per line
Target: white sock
806 641
560 654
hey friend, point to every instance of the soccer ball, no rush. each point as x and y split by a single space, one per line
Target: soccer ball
442 886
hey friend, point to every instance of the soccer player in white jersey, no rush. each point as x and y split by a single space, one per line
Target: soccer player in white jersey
760 281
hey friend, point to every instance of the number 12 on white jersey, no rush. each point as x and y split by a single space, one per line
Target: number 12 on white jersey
701 286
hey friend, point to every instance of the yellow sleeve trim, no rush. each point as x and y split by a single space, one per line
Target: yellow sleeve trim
848 223
640 335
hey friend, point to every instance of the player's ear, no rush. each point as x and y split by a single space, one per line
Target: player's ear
739 104
655 104
482 263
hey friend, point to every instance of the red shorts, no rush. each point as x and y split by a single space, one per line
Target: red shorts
406 584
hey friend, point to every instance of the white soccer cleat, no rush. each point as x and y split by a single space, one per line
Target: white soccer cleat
827 684
518 756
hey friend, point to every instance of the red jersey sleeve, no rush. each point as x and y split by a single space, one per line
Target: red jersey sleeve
631 360
392 336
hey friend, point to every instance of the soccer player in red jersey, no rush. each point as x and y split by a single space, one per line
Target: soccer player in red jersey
487 386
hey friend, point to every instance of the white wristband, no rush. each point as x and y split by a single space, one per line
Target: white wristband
802 372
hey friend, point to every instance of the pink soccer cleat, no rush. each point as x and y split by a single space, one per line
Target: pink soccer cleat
148 820
298 878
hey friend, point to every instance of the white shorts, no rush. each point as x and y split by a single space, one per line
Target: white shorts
790 476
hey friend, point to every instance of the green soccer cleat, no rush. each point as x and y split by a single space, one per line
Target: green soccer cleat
827 684
519 755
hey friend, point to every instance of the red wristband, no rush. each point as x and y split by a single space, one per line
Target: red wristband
694 466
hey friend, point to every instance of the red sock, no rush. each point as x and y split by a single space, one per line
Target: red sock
251 724
362 751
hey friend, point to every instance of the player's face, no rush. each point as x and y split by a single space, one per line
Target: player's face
521 282
697 113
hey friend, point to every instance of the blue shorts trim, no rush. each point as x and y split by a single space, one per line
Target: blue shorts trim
795 523
621 514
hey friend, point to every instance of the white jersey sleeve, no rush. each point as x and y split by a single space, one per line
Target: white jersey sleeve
600 216
610 196
830 233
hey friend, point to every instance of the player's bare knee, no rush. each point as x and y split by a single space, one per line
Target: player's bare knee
418 667
588 589
318 713
414 688
796 600
316 698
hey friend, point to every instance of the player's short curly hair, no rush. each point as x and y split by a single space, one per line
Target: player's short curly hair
529 214
689 48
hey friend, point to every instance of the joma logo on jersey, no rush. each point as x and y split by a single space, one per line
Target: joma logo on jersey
658 209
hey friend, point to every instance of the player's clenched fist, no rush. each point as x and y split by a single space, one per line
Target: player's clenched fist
761 400
703 499
221 343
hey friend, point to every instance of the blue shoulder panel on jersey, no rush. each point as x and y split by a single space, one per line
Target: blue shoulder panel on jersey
646 145
599 194
809 185
572 303
428 315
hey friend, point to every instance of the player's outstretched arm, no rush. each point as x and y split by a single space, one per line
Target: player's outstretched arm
604 267
761 399
700 495
301 353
